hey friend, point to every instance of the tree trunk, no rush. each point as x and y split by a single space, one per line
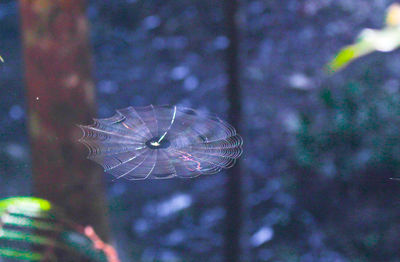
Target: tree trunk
60 94
234 193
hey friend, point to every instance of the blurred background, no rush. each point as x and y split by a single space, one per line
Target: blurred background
319 150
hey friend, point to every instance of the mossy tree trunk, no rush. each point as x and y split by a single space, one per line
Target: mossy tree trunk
60 94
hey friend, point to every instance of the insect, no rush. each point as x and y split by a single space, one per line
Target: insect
159 142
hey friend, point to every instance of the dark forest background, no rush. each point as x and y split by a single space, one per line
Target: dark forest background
319 150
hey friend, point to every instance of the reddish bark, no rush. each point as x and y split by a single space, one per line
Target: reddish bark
60 94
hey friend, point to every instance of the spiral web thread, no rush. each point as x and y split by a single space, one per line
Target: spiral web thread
161 142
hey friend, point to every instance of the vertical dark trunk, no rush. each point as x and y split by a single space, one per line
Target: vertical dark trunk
234 193
60 94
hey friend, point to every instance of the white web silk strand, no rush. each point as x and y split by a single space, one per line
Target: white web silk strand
172 122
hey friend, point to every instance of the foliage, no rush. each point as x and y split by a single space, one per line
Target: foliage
33 229
347 151
357 130
369 40
349 147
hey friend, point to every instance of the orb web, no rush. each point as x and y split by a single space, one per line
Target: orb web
158 142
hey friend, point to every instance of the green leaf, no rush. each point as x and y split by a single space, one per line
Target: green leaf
26 220
20 254
369 40
21 221
351 52
31 204
28 238
345 56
